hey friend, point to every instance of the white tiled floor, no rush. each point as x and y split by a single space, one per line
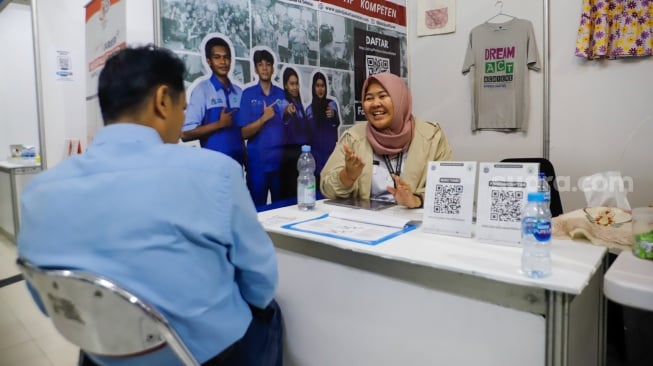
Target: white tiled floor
27 337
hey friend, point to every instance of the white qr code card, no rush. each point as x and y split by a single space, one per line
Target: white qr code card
449 198
502 193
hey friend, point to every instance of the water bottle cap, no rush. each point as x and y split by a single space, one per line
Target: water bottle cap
536 197
306 148
542 175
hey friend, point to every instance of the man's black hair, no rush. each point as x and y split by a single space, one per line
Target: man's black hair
216 41
131 74
263 55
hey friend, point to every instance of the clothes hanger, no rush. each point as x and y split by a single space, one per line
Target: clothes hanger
500 3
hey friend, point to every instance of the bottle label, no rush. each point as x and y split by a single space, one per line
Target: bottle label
542 231
547 196
307 195
528 225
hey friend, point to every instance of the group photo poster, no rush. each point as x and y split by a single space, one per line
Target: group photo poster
331 45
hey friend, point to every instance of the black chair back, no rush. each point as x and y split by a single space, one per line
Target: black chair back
547 168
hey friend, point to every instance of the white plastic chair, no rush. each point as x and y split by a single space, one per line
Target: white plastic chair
101 317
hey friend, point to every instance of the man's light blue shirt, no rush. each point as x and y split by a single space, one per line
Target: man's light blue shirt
174 224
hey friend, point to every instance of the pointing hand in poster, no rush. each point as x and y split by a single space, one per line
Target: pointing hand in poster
291 109
330 112
226 119
268 111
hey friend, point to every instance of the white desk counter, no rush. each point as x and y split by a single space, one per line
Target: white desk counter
425 299
629 281
14 176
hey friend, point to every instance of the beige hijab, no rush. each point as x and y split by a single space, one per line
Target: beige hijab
397 137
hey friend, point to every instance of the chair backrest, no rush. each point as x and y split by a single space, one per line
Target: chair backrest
547 168
99 316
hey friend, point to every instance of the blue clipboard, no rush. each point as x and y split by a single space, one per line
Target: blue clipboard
294 226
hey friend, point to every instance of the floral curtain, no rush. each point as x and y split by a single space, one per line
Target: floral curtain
615 28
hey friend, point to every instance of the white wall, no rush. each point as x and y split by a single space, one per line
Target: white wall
601 117
441 93
601 112
140 22
61 27
18 110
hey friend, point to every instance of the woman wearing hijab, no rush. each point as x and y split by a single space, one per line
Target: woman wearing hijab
324 120
386 157
295 130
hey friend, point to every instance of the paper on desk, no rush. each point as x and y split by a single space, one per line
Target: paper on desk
367 228
370 217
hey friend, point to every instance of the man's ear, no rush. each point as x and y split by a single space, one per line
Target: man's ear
162 101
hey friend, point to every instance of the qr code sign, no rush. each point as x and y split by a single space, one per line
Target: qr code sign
506 205
448 198
376 64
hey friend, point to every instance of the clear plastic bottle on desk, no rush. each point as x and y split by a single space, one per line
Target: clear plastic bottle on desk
643 232
306 180
536 237
543 186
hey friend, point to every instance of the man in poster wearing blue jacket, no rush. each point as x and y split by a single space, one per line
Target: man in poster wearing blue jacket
212 105
261 119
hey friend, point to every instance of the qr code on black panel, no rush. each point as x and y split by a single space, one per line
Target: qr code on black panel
448 198
506 205
376 64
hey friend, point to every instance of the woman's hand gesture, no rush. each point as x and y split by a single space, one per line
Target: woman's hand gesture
353 167
403 194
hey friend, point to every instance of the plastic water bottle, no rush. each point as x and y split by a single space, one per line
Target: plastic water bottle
536 237
306 180
543 186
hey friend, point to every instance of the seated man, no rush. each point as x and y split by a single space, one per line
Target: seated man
173 224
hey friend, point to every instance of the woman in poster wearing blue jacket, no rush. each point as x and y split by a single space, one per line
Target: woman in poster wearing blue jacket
295 132
323 119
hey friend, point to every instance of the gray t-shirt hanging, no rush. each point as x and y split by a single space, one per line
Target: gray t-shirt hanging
500 54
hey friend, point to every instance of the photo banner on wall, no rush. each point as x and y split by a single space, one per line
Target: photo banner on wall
106 24
331 46
373 53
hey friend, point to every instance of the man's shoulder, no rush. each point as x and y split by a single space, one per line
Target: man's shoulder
278 89
196 158
250 92
250 88
202 86
61 170
235 87
185 160
205 82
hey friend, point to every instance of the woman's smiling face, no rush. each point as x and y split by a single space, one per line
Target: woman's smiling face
378 106
320 88
292 86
